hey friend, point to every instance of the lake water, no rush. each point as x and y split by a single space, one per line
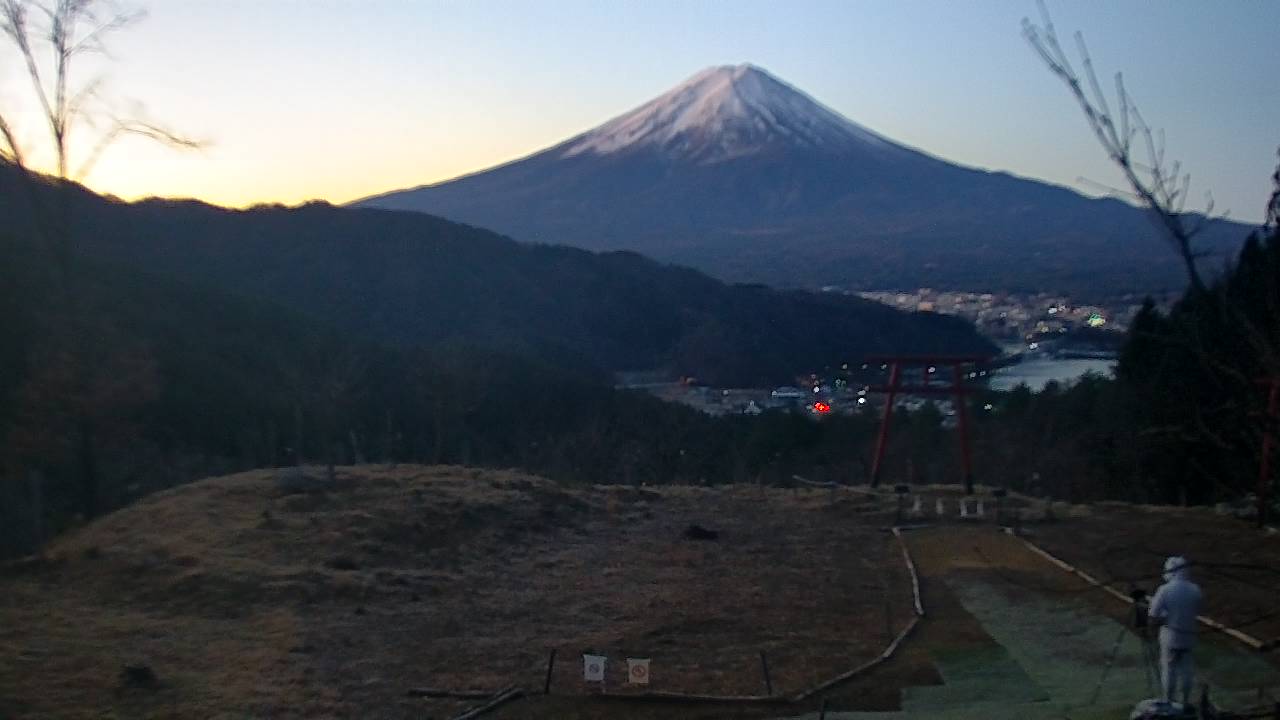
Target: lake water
1036 373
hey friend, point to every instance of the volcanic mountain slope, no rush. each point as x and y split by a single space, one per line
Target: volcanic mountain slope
739 174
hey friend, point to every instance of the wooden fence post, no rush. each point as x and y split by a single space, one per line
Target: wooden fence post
768 682
551 663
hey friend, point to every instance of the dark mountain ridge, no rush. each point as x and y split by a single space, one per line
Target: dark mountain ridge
413 279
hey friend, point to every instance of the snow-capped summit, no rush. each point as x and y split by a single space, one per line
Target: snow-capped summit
725 112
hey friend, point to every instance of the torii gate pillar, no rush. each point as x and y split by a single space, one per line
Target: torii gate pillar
956 390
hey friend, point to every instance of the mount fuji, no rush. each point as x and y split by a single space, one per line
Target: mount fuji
737 173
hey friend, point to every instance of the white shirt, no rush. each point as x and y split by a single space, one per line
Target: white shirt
1177 602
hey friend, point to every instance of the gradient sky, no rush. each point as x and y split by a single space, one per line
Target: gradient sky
338 99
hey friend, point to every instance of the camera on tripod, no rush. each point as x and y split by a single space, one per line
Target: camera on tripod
1141 606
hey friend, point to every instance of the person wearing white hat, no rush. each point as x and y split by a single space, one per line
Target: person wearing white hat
1174 609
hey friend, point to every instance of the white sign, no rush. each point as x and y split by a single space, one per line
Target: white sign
638 671
593 668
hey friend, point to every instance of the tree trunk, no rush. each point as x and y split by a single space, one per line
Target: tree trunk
357 456
88 471
297 435
272 444
437 453
35 493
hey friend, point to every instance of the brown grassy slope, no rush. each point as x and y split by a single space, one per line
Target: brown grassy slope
248 599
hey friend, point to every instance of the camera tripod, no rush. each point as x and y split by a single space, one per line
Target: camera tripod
1150 661
1147 646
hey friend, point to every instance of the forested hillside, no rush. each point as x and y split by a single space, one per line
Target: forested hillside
410 279
145 383
115 382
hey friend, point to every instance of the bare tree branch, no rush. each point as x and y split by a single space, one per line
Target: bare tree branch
14 23
121 127
70 28
1108 189
11 151
1161 188
92 42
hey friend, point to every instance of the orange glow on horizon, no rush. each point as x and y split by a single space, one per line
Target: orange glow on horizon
238 171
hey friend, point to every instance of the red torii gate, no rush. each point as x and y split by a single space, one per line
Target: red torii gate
956 390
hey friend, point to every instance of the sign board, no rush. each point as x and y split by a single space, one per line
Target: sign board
593 668
638 671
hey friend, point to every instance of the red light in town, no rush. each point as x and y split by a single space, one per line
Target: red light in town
822 407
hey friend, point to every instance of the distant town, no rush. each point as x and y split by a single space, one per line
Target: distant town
1041 327
1013 317
817 397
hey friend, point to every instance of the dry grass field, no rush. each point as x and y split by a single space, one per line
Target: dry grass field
278 594
252 597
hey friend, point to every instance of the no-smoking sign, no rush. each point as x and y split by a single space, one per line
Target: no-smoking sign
593 668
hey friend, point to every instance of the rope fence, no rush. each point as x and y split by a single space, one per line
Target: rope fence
498 698
1248 640
897 641
501 697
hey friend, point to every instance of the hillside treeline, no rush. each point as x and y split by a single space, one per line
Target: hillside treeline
410 279
153 343
1186 417
115 384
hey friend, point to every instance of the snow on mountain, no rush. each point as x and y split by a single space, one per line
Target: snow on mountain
726 112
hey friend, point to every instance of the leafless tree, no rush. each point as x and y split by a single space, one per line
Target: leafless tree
49 38
1163 187
1159 184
